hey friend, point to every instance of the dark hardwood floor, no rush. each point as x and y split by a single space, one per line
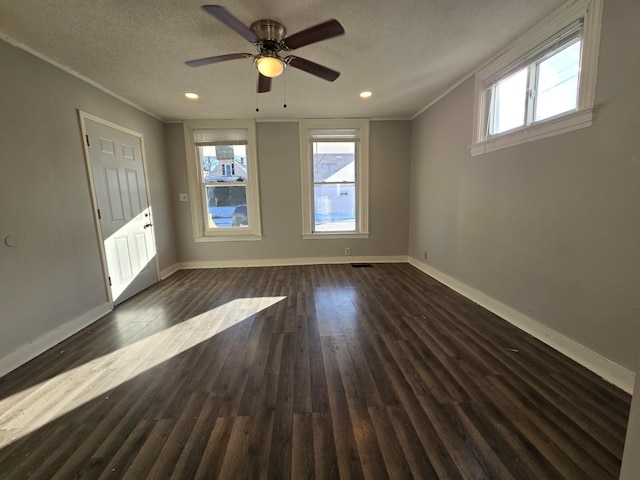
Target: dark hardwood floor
323 371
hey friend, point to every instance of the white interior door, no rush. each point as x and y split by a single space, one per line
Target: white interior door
124 214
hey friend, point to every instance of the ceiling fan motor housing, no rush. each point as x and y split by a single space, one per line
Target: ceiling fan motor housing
269 31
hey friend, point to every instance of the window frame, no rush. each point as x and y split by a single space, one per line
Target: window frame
526 51
361 177
199 212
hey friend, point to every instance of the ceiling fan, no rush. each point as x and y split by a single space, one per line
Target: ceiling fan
270 38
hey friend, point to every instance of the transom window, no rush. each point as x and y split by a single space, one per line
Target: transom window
334 155
223 180
543 84
546 87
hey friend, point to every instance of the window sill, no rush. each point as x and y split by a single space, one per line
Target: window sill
228 238
332 236
556 126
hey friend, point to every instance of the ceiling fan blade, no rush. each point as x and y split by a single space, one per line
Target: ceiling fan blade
312 68
264 83
323 31
232 22
218 58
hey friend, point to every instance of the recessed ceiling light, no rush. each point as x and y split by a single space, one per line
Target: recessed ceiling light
192 95
365 94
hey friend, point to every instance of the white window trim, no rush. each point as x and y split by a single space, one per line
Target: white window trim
254 231
362 177
591 12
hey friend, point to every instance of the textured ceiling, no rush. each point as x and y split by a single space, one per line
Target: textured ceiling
408 52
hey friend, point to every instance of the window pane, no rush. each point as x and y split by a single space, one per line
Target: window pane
335 207
558 83
227 206
509 98
223 163
334 161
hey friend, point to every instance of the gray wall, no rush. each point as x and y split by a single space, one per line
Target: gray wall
549 228
280 196
54 274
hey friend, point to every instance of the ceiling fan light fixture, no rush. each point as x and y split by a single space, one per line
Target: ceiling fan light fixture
269 66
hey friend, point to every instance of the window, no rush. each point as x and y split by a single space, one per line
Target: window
546 87
223 180
228 170
544 84
335 162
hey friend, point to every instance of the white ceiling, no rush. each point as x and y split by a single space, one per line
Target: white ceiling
408 52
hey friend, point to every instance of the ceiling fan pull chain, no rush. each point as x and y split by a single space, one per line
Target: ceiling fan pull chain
257 106
284 83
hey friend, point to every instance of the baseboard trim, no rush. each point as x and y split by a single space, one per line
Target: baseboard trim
44 342
283 262
610 371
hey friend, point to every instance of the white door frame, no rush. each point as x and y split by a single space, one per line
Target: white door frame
103 255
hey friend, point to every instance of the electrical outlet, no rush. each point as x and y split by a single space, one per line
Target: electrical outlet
184 197
347 252
425 255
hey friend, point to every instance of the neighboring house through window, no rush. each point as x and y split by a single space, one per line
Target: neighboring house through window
223 180
335 172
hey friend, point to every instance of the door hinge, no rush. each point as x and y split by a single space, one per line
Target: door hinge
110 282
87 137
99 215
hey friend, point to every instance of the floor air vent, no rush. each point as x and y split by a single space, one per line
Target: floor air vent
361 265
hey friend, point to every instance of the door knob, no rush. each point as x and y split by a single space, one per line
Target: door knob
147 225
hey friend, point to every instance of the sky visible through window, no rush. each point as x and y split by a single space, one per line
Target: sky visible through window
334 147
509 107
558 82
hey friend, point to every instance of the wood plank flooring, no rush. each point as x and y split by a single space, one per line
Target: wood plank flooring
324 371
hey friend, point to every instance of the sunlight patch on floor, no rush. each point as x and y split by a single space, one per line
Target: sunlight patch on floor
32 408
